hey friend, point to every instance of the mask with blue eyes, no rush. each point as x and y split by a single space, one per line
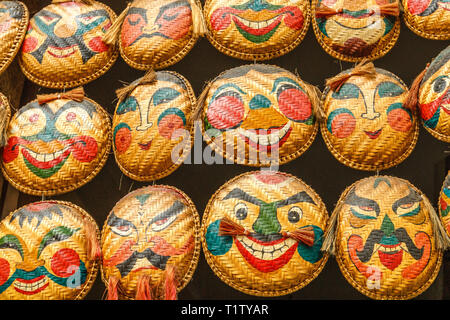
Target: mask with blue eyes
367 126
150 123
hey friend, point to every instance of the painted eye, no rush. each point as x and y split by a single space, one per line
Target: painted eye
440 83
363 212
65 262
163 223
399 118
123 230
294 103
134 19
408 209
347 91
122 137
240 211
341 123
295 214
389 89
71 116
48 19
170 122
89 19
226 111
33 118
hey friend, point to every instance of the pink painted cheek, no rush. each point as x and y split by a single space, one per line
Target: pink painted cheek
343 125
29 44
399 120
417 6
64 261
295 104
169 125
4 271
225 112
97 45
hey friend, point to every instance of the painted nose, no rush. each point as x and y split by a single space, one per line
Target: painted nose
267 221
387 226
65 29
150 28
259 102
370 113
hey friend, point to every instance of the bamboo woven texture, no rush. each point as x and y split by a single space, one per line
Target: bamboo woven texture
264 260
45 252
428 19
366 125
56 147
259 30
434 97
136 226
5 117
151 123
68 51
14 18
350 36
385 241
444 203
149 40
258 115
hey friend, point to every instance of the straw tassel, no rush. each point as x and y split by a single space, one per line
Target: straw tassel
170 283
200 102
113 288
3 124
329 238
324 12
88 2
111 36
93 246
304 235
364 68
148 78
390 9
412 100
314 93
198 21
442 239
76 94
228 227
143 291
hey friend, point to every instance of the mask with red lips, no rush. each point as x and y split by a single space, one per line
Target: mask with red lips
56 147
428 18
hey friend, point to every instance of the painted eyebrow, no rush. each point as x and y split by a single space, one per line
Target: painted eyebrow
175 209
140 11
412 197
223 87
284 80
99 13
115 221
86 106
237 193
296 198
353 199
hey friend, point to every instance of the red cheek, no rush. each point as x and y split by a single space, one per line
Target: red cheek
4 271
97 45
221 18
169 125
343 125
64 261
417 6
294 104
29 44
11 150
84 148
122 140
225 112
329 3
293 17
131 32
399 120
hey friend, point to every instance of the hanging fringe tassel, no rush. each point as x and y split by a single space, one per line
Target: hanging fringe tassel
170 283
314 95
88 2
111 36
304 235
442 239
390 9
412 100
113 288
93 245
198 21
148 78
76 94
200 103
329 237
324 12
4 118
228 227
364 68
143 290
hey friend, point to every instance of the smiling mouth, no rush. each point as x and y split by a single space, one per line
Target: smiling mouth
266 139
444 6
370 25
257 28
62 52
373 134
46 160
391 255
145 146
30 287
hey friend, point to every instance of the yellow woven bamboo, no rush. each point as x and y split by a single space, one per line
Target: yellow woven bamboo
56 147
366 125
259 115
46 252
352 30
63 47
5 117
428 19
14 18
444 202
149 232
262 233
387 238
151 125
256 30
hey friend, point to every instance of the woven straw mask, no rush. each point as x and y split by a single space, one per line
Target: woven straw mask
149 126
351 30
13 25
63 47
444 204
261 256
258 114
156 33
434 97
256 29
152 235
44 252
366 125
428 18
385 240
56 147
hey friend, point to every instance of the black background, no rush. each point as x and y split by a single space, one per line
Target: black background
425 167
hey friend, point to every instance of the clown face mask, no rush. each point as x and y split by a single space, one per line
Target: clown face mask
354 30
258 115
366 125
56 147
63 47
262 256
434 97
44 253
150 123
385 244
444 204
150 233
256 29
13 25
156 34
428 18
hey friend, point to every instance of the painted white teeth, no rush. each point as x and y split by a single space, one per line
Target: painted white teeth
390 250
266 139
45 157
62 52
266 252
257 24
29 287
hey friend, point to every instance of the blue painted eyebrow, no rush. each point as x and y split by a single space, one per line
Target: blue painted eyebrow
347 91
389 89
284 80
224 86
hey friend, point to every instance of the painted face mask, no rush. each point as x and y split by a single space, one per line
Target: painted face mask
14 18
157 34
5 116
367 126
434 97
56 147
258 115
262 233
385 238
44 252
150 244
256 29
63 47
444 204
151 124
428 18
352 30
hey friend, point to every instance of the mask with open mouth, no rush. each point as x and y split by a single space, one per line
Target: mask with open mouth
385 238
150 124
14 18
367 126
274 247
45 252
63 47
428 18
353 30
434 97
56 147
444 204
258 115
151 236
256 29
